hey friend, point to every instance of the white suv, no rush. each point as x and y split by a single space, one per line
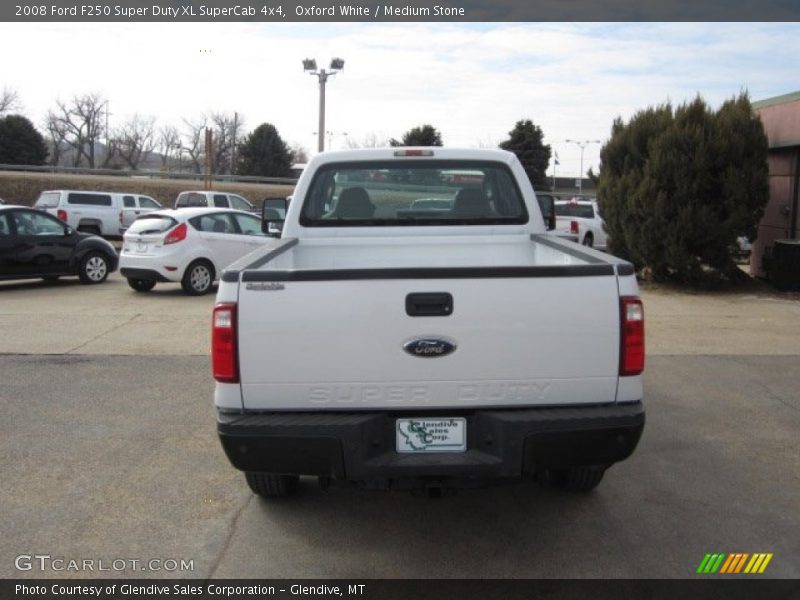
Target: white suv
205 198
98 213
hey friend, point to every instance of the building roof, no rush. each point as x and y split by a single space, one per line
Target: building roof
784 99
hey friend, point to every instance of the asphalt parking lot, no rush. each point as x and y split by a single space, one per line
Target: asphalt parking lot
109 452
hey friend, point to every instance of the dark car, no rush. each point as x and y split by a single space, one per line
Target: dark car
34 244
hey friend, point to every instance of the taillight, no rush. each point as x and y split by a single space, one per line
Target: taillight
62 215
573 227
631 351
224 359
176 235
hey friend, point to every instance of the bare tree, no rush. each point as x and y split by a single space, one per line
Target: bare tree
167 140
82 122
194 141
9 100
226 137
371 140
486 142
299 153
111 156
58 138
135 140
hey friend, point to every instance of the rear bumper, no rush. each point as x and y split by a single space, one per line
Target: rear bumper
154 267
145 274
501 444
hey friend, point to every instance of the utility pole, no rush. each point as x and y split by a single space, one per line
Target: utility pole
233 149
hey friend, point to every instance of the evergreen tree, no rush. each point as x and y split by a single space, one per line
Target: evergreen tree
526 141
679 186
424 135
20 143
264 153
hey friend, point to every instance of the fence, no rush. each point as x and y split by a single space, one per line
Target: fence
147 174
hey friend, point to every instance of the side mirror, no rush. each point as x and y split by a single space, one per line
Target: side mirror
272 218
547 204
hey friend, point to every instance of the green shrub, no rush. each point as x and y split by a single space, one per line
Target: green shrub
677 187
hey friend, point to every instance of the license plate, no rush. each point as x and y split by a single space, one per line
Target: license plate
432 435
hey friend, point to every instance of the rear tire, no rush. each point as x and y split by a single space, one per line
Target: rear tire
93 229
94 268
198 278
578 479
141 285
588 240
272 485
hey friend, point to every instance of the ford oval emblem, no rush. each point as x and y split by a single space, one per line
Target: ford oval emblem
429 347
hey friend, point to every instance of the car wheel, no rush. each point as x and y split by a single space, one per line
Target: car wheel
198 278
588 240
93 229
141 285
578 479
93 268
272 485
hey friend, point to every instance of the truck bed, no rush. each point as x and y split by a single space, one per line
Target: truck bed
327 321
531 255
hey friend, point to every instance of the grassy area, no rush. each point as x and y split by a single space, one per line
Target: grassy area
24 188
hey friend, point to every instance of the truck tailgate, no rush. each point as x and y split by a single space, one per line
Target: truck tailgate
531 326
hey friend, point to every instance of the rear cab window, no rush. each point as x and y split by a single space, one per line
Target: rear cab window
413 192
573 209
190 199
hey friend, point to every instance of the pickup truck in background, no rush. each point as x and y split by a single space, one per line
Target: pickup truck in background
409 329
580 221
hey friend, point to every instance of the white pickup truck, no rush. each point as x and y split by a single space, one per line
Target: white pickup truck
580 221
410 330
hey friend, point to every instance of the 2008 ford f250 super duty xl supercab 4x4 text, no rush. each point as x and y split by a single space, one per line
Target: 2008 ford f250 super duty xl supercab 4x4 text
416 326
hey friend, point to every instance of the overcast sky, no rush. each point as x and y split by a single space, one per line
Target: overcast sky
472 82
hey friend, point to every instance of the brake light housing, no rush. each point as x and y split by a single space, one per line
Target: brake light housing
631 351
573 227
178 234
224 355
413 152
61 214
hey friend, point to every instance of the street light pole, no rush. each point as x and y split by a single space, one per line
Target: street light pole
310 66
582 146
323 78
